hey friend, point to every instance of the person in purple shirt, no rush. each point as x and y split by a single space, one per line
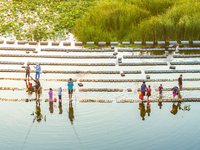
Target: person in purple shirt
50 95
143 88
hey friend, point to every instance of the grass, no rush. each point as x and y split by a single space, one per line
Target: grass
140 20
106 20
130 46
92 46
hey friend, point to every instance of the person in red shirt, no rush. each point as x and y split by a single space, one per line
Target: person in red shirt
160 88
148 93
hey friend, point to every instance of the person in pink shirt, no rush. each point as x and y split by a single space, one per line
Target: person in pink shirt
160 88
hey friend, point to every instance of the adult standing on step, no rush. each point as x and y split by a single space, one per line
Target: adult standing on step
143 88
38 71
70 88
28 70
180 82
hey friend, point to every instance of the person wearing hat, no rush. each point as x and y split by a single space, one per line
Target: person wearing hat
38 71
70 88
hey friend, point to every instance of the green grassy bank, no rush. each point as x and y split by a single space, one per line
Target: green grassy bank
143 20
101 20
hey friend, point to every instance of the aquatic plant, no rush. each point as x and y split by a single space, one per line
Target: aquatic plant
40 20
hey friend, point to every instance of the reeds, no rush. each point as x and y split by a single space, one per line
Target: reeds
143 20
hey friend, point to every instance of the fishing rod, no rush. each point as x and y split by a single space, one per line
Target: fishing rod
76 132
28 132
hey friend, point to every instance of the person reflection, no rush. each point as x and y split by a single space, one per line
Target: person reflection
51 106
60 108
148 110
142 110
38 116
160 105
71 113
175 107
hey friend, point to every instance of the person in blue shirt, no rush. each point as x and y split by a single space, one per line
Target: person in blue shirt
60 95
70 88
38 71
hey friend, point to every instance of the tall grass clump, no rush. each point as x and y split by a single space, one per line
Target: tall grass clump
155 7
180 22
109 21
154 29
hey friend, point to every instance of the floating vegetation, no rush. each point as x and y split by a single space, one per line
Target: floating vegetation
40 20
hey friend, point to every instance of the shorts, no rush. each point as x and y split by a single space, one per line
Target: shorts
59 97
27 74
180 87
148 94
70 91
160 92
37 90
143 93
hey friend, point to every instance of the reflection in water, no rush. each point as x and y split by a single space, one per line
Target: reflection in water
160 105
38 116
60 108
142 110
71 113
148 111
51 106
175 108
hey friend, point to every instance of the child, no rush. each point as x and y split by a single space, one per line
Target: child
148 93
60 94
160 88
175 91
50 95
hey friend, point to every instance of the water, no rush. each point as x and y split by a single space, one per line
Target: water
98 126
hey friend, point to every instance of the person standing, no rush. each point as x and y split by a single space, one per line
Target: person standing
160 88
60 95
143 88
50 95
180 82
28 70
148 93
70 88
38 71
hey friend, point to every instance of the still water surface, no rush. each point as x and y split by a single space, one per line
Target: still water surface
98 126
